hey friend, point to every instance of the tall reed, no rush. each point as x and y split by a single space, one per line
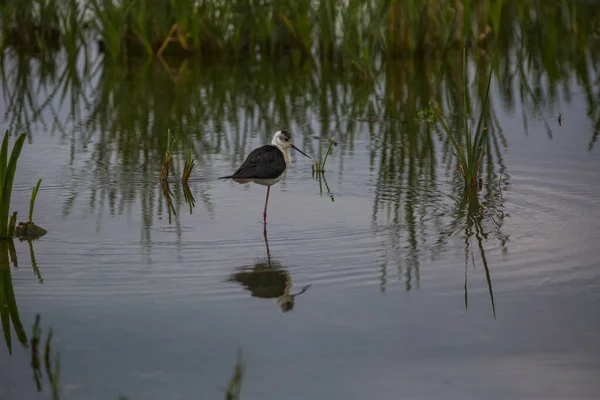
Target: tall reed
353 33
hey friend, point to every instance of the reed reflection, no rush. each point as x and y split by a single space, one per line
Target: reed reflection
50 358
268 279
9 312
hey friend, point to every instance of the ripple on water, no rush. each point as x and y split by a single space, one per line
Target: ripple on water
554 239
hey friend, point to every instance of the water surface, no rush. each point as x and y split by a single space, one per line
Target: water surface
412 294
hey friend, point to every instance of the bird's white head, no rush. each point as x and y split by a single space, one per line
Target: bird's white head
284 140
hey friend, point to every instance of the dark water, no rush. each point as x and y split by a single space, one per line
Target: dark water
413 294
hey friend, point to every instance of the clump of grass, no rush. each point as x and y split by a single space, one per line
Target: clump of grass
168 161
28 230
31 26
7 176
188 196
470 150
187 168
187 171
169 198
319 166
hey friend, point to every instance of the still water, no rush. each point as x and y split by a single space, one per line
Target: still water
412 294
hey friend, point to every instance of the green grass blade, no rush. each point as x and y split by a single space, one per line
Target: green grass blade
34 193
467 111
479 133
3 159
327 154
455 144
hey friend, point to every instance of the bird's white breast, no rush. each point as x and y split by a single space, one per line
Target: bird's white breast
286 155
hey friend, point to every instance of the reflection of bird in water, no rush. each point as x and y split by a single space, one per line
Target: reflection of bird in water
266 165
268 280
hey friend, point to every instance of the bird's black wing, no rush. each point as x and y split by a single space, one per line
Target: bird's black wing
265 162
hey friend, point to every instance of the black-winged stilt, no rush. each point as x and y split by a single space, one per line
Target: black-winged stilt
266 165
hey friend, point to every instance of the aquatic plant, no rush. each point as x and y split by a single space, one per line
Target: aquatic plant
187 168
28 230
470 148
7 176
168 160
30 26
168 195
34 193
355 33
319 165
188 196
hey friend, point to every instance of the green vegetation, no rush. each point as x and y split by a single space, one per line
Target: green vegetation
470 148
356 33
319 166
168 196
28 230
168 160
187 168
318 169
7 176
34 193
188 196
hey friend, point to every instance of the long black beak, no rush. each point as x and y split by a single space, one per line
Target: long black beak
297 149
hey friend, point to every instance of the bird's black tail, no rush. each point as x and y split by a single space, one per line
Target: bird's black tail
225 177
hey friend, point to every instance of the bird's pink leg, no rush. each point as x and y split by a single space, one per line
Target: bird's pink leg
266 202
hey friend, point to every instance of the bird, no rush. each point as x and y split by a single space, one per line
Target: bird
266 165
